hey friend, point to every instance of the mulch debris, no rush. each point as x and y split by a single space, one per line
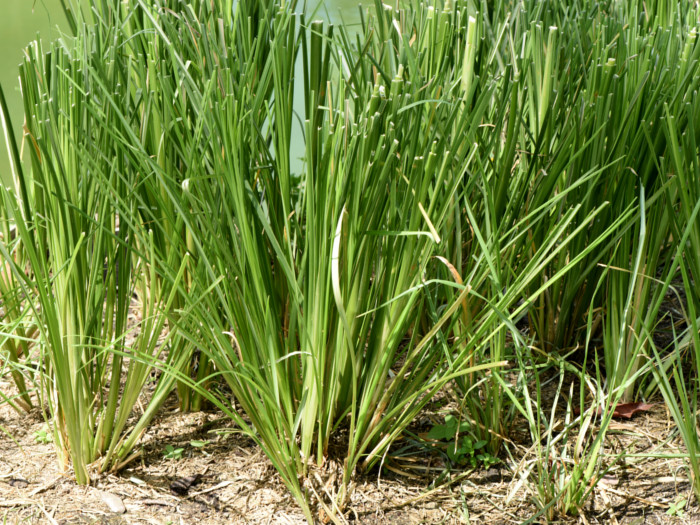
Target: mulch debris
226 479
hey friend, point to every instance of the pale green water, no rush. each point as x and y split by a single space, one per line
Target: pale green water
22 21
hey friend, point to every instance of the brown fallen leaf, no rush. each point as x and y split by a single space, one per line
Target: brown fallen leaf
627 410
623 410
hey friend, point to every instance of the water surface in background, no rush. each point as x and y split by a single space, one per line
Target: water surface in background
23 21
20 23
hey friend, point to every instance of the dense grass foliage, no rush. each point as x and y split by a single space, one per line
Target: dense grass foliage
484 191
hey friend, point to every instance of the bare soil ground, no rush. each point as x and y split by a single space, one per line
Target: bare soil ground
238 484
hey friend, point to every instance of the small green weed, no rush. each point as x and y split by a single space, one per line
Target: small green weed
172 452
676 508
43 436
201 445
454 436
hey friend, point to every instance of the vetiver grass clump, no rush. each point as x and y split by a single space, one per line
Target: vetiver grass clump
80 257
466 170
307 289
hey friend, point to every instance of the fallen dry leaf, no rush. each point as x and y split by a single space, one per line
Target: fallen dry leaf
627 410
623 410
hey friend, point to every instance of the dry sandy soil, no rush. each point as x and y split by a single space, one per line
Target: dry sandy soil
238 484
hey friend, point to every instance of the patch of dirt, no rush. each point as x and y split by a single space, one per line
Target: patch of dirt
228 480
237 484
